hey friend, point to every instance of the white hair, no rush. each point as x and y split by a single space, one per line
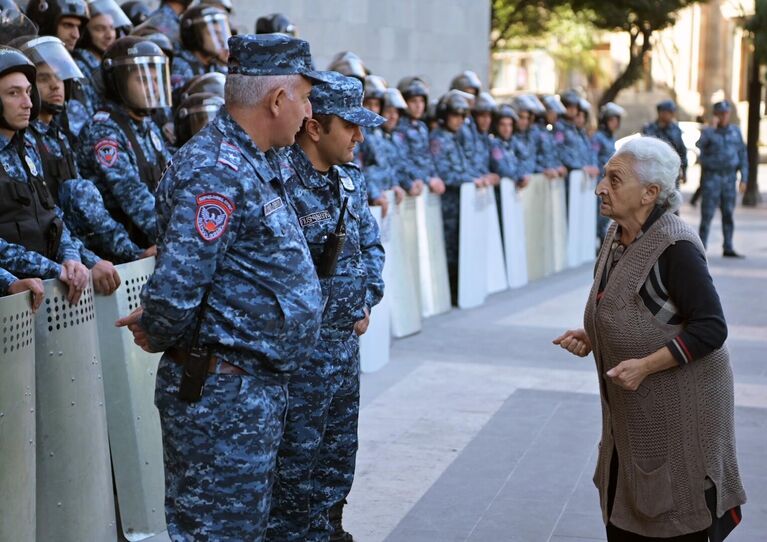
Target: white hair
249 90
656 162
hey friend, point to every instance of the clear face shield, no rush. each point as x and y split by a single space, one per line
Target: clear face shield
144 82
213 33
51 51
114 14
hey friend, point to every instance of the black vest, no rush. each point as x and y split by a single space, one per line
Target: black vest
56 170
27 210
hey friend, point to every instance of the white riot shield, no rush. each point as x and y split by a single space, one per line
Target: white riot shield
513 224
472 245
588 246
574 217
17 419
537 226
558 221
132 419
496 264
432 259
410 241
375 344
404 302
75 500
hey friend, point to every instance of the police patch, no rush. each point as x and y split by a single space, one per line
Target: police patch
559 137
497 153
347 183
272 206
213 212
106 152
320 216
435 146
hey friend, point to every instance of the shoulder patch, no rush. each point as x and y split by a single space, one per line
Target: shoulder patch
101 116
229 155
106 152
559 137
213 212
497 153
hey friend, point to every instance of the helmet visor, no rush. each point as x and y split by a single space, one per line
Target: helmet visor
201 115
51 51
213 33
144 82
110 8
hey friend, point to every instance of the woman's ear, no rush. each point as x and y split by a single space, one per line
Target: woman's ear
651 194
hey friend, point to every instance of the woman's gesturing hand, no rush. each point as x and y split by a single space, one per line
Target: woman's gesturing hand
575 341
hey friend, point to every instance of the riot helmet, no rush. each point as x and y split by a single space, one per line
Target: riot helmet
485 103
194 112
454 101
276 23
136 10
375 87
47 14
393 98
14 61
349 64
153 34
413 86
13 23
505 111
205 29
108 23
467 81
51 60
226 5
609 110
136 74
570 98
213 82
554 104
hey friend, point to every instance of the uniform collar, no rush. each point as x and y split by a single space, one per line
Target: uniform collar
5 141
234 134
40 127
303 168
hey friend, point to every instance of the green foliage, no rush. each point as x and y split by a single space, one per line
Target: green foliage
757 26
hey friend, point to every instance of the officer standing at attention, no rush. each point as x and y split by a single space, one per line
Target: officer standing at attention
722 154
123 150
204 33
34 242
603 142
315 466
454 167
573 144
234 301
548 122
666 129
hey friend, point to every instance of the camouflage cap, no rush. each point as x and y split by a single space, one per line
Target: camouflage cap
722 107
666 105
342 96
271 54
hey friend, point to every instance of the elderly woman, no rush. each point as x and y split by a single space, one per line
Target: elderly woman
667 468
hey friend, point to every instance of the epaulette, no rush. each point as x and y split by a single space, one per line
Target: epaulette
101 116
229 155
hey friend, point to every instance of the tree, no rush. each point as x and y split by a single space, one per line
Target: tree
515 21
757 27
640 18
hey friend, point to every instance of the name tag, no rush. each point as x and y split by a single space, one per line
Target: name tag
272 206
313 218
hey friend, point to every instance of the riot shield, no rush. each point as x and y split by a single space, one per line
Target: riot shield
496 264
537 226
133 421
513 223
405 304
574 217
472 247
375 344
432 259
588 246
75 500
17 419
558 225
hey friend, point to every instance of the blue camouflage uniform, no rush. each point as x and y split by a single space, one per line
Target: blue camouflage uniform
186 65
671 134
107 157
315 466
476 148
168 22
454 169
6 279
226 228
90 65
603 144
722 154
382 160
79 199
525 148
546 148
573 146
502 160
413 136
15 258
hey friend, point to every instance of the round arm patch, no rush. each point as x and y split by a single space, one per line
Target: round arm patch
213 213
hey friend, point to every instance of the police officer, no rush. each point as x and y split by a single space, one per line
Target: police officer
234 265
10 285
349 64
603 143
497 162
524 138
722 154
454 168
503 132
107 23
467 81
666 129
194 113
573 144
315 466
413 136
371 155
34 242
167 19
123 150
204 34
548 122
276 23
79 199
136 10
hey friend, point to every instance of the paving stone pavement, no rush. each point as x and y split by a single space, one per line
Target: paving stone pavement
480 430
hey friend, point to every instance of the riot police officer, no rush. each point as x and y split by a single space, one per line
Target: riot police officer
573 145
10 285
123 150
467 81
194 113
547 122
232 264
34 242
167 19
504 162
204 31
79 199
413 136
722 155
349 64
668 130
524 139
276 23
136 10
603 142
315 466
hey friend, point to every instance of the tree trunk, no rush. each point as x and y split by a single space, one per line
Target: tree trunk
633 69
752 197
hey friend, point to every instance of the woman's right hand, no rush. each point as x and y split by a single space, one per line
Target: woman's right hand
575 341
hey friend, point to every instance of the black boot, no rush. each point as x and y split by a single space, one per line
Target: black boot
335 515
695 197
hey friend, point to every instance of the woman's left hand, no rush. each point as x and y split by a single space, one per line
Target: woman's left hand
628 374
